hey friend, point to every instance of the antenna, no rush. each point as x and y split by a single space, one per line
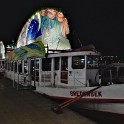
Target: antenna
78 39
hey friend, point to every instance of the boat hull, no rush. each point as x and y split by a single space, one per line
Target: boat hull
101 99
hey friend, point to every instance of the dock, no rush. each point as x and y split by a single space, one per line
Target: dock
28 107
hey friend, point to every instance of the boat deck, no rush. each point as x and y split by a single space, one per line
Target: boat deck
27 107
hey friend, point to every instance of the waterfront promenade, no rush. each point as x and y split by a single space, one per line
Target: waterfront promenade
28 107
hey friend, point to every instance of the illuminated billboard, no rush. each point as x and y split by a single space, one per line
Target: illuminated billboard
49 26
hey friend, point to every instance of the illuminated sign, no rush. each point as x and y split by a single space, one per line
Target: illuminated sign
49 26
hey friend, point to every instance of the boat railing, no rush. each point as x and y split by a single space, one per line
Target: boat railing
45 78
78 80
22 81
61 79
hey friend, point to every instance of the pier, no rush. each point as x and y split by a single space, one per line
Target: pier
28 107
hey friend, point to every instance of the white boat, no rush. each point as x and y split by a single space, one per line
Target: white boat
70 75
66 74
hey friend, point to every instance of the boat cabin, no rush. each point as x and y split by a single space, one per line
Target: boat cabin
62 69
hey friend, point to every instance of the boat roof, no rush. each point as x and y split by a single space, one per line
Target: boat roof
72 53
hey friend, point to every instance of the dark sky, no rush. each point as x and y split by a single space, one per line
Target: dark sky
100 22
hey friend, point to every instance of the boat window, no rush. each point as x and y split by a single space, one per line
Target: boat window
78 62
64 70
57 63
64 63
108 75
32 71
37 69
11 66
46 64
8 66
25 66
37 64
20 66
121 71
15 66
3 63
92 62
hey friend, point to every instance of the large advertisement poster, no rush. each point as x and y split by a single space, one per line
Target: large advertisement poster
49 26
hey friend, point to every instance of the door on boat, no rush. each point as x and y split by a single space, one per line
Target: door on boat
56 69
46 71
77 70
34 69
64 70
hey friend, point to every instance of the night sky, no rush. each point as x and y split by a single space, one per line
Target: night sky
98 22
